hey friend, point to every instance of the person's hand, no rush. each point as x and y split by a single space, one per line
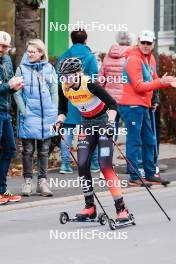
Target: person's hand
12 83
173 83
167 79
109 129
58 126
16 83
154 107
18 86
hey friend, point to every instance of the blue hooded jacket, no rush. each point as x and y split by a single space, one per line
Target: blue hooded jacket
90 67
37 108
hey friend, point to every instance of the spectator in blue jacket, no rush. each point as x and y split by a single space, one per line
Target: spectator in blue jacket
37 113
81 50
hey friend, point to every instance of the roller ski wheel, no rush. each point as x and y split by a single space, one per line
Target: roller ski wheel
64 218
102 218
132 219
112 224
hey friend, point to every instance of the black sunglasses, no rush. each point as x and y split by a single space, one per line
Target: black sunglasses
146 42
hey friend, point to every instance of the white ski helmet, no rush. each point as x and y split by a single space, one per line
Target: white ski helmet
5 38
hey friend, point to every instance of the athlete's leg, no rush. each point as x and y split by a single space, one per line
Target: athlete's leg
86 146
105 158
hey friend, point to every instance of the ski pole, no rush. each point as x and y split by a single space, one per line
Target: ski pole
132 167
154 132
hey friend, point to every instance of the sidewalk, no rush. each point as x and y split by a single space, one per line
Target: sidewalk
167 156
167 151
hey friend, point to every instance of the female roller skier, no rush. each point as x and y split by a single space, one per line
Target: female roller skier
98 110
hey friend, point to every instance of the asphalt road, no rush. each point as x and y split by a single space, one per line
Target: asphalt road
34 235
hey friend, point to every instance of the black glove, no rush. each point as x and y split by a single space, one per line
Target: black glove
58 126
110 129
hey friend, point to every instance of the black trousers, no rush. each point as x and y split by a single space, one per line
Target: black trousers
91 135
42 157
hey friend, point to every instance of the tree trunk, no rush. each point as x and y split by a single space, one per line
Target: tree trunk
27 26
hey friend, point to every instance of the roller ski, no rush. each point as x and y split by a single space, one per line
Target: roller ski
88 214
123 217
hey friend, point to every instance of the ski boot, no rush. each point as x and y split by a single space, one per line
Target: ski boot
88 212
123 217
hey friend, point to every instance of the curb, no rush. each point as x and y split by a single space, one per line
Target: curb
123 164
63 200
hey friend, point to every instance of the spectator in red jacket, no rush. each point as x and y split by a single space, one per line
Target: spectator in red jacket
141 80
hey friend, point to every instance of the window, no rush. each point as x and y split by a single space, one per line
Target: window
169 15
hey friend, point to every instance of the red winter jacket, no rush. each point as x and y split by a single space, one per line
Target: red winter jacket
142 79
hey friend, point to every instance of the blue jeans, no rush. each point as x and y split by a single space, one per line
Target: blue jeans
68 137
139 137
156 148
7 148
